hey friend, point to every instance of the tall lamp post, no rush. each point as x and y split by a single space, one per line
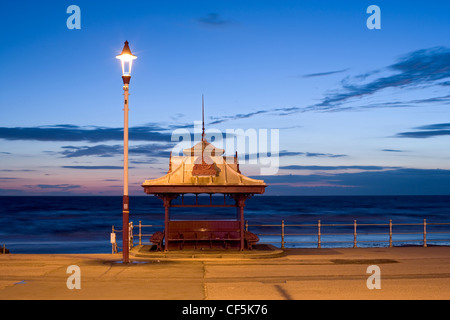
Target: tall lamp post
126 58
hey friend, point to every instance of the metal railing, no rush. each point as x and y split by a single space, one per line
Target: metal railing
132 234
284 233
357 231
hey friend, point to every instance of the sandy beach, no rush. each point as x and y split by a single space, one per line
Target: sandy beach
295 274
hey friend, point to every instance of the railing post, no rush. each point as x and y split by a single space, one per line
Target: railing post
354 234
246 225
140 233
319 245
282 234
424 232
390 233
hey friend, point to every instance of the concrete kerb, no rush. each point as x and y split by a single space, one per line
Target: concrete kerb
143 252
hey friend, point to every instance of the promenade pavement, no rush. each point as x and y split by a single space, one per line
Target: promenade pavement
293 274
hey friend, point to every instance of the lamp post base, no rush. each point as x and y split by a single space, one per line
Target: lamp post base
125 230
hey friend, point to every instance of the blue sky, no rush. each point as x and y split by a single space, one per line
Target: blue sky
359 111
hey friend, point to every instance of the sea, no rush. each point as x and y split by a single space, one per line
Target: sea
83 224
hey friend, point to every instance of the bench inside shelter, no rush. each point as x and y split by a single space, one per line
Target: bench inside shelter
204 234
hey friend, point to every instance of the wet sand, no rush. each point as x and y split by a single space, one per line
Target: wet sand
295 274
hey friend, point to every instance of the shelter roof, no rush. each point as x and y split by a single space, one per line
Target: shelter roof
204 169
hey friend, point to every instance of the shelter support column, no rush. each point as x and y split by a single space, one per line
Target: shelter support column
241 212
167 199
240 204
166 222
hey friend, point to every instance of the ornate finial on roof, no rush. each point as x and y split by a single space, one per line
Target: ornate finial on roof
203 168
203 118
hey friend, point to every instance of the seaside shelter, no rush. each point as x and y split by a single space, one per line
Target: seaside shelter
203 169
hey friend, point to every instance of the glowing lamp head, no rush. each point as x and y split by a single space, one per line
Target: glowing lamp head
126 58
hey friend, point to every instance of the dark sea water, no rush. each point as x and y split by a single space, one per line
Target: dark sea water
83 224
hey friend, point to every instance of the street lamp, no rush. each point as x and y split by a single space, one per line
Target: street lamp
126 58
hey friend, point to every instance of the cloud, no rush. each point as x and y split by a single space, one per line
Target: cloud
63 186
98 150
445 99
427 131
330 155
66 132
424 68
326 168
217 120
276 111
436 126
153 150
94 134
320 74
213 19
95 167
395 104
285 153
392 150
400 181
